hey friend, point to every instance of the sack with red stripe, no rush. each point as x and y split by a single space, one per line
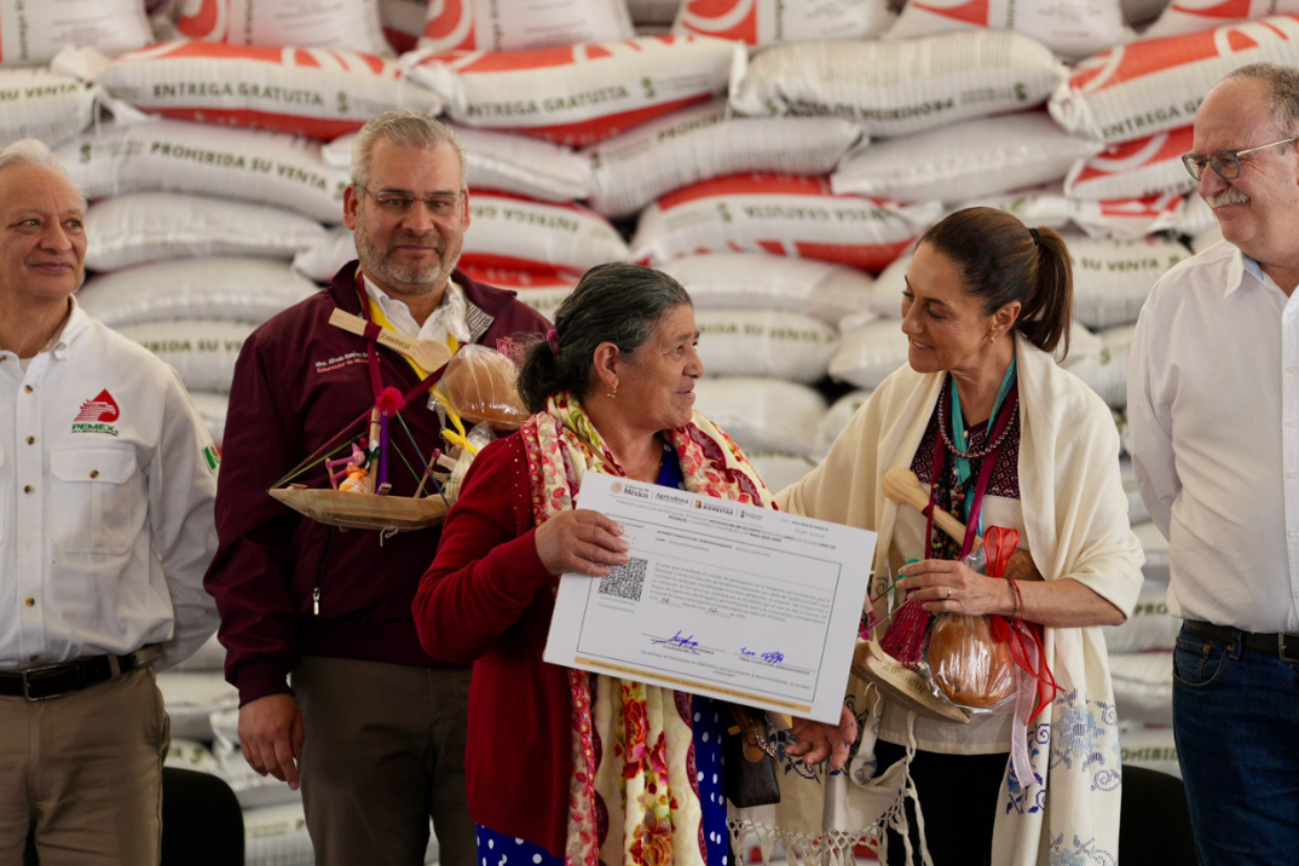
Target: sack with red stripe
747 281
1134 169
544 291
32 32
1070 28
973 158
707 141
354 25
317 92
1192 16
514 233
403 22
897 88
780 215
519 25
44 105
1127 218
769 22
1155 85
580 94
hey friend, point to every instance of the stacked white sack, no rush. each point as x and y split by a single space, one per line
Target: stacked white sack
1143 687
1111 219
1106 373
1193 16
772 22
1156 549
1112 279
1154 85
707 141
192 698
964 160
767 415
144 227
578 95
31 33
1150 627
778 470
174 156
896 88
779 215
209 657
837 418
323 259
354 25
760 282
213 408
542 291
202 351
1137 512
519 25
1135 169
505 163
42 104
1151 747
772 343
1070 28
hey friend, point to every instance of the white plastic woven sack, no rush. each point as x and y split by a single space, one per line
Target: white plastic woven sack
1127 219
707 141
174 156
211 656
213 409
1156 548
1137 512
41 104
322 260
518 25
762 414
897 88
1206 239
191 698
403 22
1196 217
1111 279
772 343
1134 169
318 92
770 22
514 233
1070 28
235 289
275 835
752 281
149 226
779 215
1150 627
33 31
505 163
1193 16
353 25
777 470
972 158
581 94
190 755
1143 687
1154 748
203 352
541 290
1107 372
837 418
1153 85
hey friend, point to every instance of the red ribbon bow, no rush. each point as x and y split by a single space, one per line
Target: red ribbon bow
998 545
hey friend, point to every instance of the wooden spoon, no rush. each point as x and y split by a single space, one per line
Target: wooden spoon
430 355
903 487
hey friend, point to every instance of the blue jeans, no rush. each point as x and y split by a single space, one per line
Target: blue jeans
1236 721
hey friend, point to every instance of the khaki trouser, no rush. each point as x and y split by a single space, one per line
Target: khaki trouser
82 775
384 750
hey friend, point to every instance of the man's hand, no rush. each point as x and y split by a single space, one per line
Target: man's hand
271 733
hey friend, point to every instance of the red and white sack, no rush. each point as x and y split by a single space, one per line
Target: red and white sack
1127 218
1036 206
1151 747
507 163
837 418
751 281
1107 373
780 215
317 92
403 22
771 343
1112 279
150 226
1138 12
44 105
762 414
174 156
770 22
1150 627
510 232
1070 28
1154 85
706 141
580 94
520 25
1134 169
897 88
972 158
1143 687
1196 218
203 352
33 31
1193 16
233 289
541 290
353 25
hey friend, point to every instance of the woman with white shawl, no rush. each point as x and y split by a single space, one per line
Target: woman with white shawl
987 301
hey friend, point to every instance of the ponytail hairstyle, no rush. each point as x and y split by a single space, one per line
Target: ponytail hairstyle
613 303
1002 261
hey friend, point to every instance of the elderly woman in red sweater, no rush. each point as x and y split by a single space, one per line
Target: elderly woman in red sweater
561 763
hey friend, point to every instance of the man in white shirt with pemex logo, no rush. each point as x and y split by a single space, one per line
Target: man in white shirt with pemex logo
107 481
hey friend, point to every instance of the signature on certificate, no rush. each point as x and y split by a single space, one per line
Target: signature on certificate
771 658
678 640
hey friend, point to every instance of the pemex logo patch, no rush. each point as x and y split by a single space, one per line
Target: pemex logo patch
97 415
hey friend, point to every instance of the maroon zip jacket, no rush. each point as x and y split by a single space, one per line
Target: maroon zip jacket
300 381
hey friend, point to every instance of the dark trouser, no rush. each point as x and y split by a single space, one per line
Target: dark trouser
958 795
384 751
1236 721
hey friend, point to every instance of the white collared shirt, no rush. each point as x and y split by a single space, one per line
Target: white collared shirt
1213 412
447 319
107 482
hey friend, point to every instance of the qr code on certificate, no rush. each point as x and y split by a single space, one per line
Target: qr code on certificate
625 581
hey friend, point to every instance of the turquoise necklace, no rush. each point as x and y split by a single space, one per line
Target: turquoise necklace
958 442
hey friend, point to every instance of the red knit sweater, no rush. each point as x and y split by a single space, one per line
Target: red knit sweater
487 600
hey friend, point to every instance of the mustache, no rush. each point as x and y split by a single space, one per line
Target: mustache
1230 195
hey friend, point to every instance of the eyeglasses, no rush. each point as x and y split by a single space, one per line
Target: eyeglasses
1225 162
399 205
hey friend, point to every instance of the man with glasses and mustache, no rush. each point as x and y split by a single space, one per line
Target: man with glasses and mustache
374 728
1213 409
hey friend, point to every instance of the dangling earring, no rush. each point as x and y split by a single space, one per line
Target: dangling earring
611 392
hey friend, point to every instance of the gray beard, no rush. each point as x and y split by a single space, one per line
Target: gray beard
409 279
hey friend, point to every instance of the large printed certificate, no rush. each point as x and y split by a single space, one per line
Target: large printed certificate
732 601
